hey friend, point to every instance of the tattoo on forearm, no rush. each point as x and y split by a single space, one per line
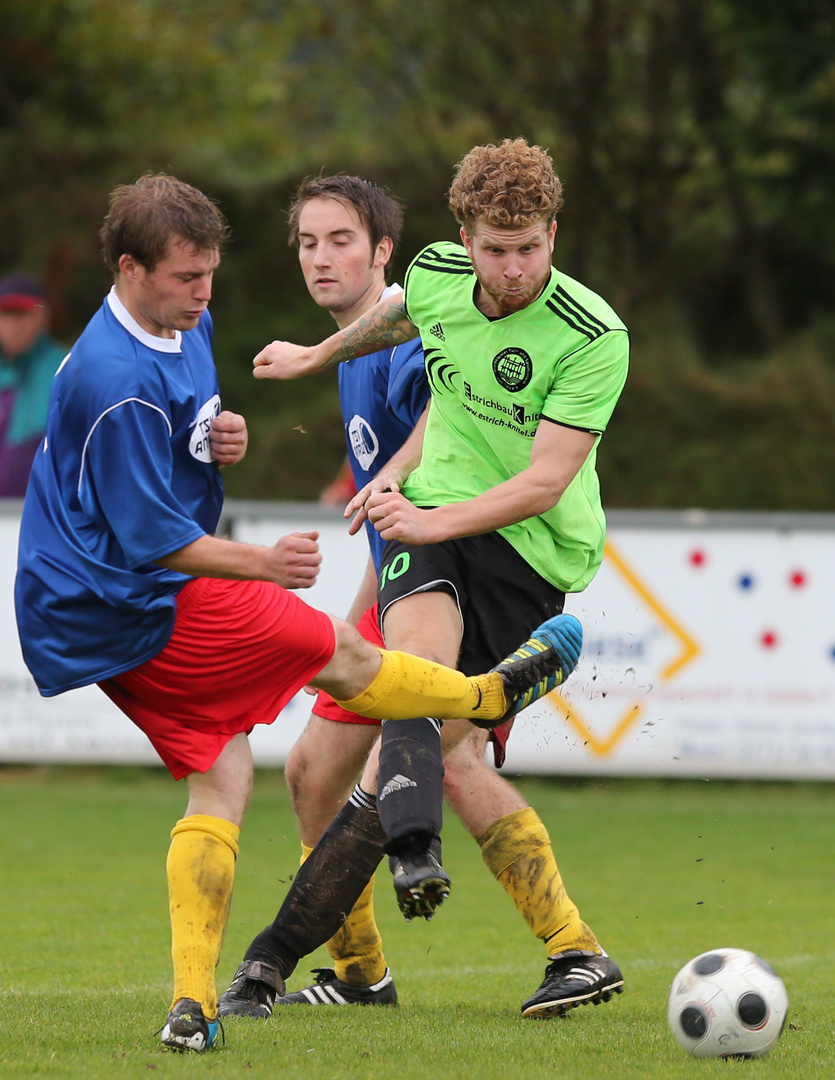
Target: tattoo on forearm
380 328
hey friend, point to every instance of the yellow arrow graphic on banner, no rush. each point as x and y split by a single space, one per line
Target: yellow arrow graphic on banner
689 650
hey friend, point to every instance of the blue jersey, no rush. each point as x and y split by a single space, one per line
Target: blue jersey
123 476
382 396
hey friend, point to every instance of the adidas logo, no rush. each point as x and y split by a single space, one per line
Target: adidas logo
438 331
397 783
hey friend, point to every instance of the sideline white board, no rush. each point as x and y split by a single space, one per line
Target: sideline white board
709 651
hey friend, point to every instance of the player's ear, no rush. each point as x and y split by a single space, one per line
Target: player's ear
128 266
384 251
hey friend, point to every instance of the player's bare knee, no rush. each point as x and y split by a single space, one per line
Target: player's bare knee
295 772
353 665
462 742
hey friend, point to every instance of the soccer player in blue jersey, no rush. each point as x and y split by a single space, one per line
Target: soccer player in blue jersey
346 230
491 511
122 582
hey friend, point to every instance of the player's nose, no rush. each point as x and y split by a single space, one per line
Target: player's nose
203 288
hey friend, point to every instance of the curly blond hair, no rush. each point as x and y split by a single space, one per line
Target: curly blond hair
511 186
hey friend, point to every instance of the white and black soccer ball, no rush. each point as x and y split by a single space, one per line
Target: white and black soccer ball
727 1003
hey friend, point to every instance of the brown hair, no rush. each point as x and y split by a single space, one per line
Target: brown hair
380 212
510 186
145 216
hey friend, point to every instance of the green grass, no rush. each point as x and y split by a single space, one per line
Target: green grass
662 871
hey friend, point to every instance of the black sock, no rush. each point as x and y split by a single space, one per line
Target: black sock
327 886
410 788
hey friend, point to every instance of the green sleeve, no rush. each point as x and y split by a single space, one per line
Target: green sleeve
588 383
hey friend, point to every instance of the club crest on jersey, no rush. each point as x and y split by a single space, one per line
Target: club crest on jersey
363 441
513 369
198 445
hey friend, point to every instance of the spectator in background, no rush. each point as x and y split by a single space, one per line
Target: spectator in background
29 357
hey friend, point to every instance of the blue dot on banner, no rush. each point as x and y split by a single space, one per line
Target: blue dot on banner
746 582
832 653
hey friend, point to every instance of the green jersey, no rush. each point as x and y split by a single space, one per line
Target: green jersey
563 358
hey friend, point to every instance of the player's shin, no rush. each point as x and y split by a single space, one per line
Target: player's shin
201 872
517 850
326 887
410 788
357 948
410 797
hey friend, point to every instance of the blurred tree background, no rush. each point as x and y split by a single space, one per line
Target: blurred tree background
695 139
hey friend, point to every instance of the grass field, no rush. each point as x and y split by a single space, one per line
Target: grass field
662 871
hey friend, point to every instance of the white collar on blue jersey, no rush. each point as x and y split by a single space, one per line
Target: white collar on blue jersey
122 315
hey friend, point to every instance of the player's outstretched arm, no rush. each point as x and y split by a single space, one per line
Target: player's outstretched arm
383 326
292 563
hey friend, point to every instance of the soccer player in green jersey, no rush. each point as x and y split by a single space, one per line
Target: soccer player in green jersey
491 511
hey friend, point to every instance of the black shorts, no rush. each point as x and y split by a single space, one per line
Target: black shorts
501 598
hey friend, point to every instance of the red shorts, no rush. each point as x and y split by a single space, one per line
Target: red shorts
327 708
240 650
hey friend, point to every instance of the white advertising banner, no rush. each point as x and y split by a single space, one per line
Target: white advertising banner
709 651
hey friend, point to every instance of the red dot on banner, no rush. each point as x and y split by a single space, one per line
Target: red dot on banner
768 639
697 558
797 579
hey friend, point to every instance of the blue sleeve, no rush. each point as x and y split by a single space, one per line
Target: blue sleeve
125 483
408 389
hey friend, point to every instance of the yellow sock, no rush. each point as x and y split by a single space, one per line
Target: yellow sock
201 871
517 849
407 686
357 948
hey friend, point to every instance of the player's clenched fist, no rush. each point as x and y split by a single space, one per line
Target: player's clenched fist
282 360
296 559
228 438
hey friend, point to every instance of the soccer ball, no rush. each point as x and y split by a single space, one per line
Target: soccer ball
727 1003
